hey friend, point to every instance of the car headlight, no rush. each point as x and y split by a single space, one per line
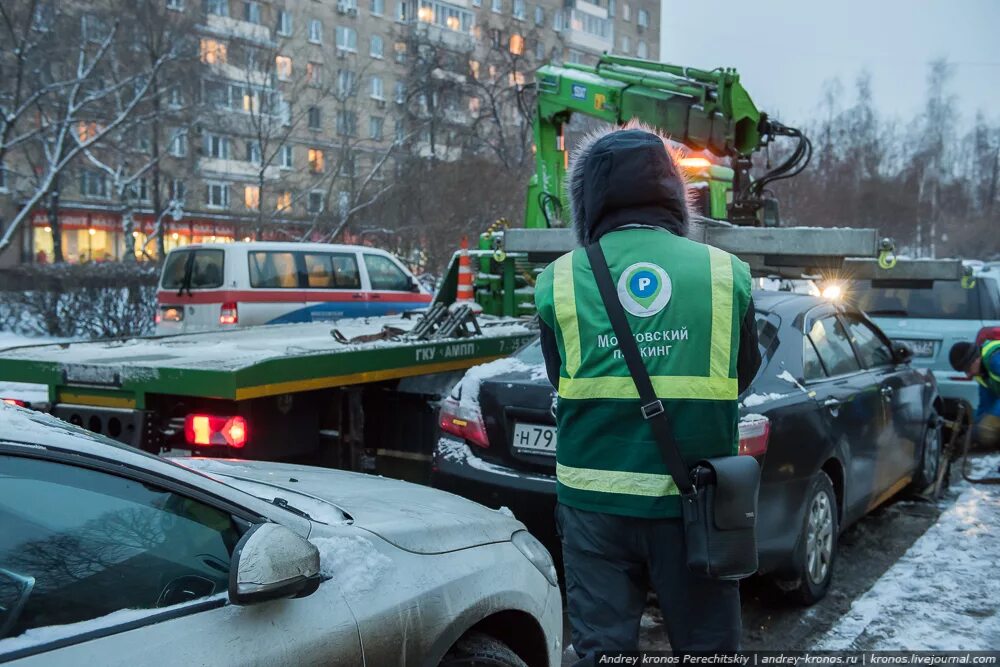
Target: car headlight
535 552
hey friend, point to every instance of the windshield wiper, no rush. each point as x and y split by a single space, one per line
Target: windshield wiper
888 311
283 504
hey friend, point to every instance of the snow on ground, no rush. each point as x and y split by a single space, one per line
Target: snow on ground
944 593
353 562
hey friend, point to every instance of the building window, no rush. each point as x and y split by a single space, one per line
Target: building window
474 68
400 92
474 105
445 15
375 124
314 74
516 44
377 46
346 123
611 9
626 44
477 3
315 204
253 152
539 50
251 197
217 7
283 65
315 31
640 50
378 91
377 7
346 83
314 122
218 195
317 162
286 157
284 23
539 15
217 146
178 190
626 12
251 11
400 49
177 5
496 5
178 142
400 131
284 201
93 183
213 52
347 6
643 18
519 10
344 203
3 179
558 20
402 10
347 38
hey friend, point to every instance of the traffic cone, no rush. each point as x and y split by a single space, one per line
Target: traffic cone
465 294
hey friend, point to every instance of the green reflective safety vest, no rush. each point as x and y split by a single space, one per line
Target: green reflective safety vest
992 380
684 302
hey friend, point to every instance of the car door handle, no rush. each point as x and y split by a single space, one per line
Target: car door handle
357 296
832 403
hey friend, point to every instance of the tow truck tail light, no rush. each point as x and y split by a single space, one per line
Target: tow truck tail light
212 430
463 421
228 314
987 333
754 433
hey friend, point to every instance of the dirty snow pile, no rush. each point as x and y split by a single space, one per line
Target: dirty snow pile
23 391
944 593
351 561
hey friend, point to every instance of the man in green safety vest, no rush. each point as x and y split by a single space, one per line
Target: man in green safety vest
982 364
690 309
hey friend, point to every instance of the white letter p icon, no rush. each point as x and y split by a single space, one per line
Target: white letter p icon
643 284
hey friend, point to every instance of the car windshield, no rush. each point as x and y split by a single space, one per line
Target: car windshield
946 300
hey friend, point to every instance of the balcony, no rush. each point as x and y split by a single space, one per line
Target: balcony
453 39
235 169
589 28
234 28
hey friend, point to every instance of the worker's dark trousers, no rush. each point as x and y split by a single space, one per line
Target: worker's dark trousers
610 562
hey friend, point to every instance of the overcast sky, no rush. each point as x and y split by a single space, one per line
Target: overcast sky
784 50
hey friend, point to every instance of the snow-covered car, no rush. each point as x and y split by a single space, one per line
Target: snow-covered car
110 556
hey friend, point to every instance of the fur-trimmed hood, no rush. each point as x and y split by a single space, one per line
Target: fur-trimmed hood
623 176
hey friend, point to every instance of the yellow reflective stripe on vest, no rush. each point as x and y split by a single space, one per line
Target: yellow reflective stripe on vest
987 350
717 386
722 312
564 298
614 481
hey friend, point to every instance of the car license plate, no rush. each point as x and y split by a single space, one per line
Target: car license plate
535 438
921 348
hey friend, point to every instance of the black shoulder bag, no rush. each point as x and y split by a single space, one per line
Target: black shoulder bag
719 496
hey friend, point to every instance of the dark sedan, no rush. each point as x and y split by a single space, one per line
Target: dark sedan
838 416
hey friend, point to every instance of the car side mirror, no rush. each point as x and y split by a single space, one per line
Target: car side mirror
902 352
414 285
271 562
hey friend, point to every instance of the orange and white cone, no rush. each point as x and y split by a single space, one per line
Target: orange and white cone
465 295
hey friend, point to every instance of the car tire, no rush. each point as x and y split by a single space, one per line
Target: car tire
817 549
475 649
931 453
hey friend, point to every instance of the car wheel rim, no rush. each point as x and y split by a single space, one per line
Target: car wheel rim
932 454
819 538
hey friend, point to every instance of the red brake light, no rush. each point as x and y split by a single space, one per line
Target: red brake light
754 433
216 430
157 318
15 401
228 314
987 333
464 421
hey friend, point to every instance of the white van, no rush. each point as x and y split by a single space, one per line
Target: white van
220 285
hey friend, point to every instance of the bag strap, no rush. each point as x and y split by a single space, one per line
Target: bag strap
652 407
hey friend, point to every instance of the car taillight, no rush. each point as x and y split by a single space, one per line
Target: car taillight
216 430
754 433
987 333
15 401
464 421
156 318
228 314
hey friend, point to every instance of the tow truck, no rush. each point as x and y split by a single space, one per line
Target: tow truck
362 394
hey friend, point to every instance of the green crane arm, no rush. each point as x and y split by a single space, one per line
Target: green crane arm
704 110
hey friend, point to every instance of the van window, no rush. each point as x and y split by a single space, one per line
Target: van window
206 269
945 300
332 271
385 275
273 270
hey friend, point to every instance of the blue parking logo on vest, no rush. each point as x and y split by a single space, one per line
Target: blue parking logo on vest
644 289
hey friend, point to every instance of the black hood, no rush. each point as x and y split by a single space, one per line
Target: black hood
623 177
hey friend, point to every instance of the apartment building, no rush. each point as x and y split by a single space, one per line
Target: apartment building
295 113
